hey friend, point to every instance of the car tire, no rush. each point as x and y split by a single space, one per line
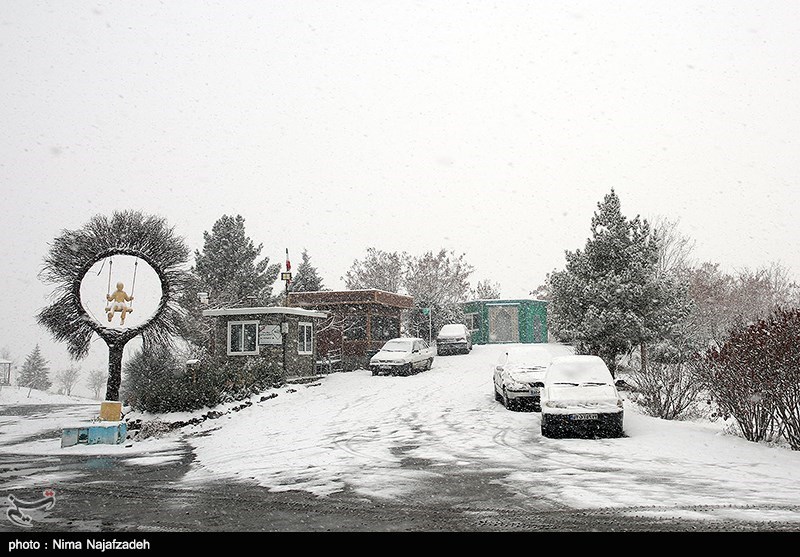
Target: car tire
497 395
549 431
507 402
616 429
430 364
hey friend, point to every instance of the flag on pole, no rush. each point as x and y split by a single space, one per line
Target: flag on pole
288 264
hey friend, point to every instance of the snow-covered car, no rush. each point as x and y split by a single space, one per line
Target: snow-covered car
580 397
402 356
453 338
519 376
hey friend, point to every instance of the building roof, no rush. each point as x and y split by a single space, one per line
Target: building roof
349 297
264 310
501 301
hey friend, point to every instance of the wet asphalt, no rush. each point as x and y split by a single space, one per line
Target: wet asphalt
114 494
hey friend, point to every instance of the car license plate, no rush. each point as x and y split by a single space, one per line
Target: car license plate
384 368
581 417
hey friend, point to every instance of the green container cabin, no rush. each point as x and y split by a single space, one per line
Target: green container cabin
506 321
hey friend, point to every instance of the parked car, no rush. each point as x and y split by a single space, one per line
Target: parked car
402 356
580 397
518 377
453 338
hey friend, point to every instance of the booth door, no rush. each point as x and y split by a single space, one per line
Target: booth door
503 324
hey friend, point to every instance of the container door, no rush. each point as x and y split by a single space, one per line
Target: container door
503 324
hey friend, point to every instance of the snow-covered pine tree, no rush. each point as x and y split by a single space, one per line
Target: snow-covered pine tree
307 278
380 269
609 299
34 372
229 270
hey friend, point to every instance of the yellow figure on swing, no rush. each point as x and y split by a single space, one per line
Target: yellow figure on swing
118 303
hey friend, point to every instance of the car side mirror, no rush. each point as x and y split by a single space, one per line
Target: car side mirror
499 368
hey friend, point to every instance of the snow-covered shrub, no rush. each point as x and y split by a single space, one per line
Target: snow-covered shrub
153 428
242 377
755 377
156 380
666 390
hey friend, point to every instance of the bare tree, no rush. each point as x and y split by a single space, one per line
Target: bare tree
486 290
674 248
380 269
66 379
438 282
96 381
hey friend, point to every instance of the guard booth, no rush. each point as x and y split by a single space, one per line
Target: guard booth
5 372
283 337
506 321
360 323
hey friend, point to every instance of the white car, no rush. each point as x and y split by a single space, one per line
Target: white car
579 397
402 356
518 377
453 338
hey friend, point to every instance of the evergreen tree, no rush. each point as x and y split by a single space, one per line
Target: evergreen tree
307 278
34 372
609 299
380 269
229 271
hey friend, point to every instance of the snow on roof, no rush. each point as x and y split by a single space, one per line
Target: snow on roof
264 310
504 300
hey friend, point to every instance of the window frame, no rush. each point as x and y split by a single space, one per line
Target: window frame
242 324
474 321
305 325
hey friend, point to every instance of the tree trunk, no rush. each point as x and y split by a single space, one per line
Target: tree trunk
643 352
114 370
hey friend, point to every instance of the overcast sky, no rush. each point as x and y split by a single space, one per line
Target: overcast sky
489 128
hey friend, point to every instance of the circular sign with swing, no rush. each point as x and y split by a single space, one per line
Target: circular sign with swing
91 267
112 284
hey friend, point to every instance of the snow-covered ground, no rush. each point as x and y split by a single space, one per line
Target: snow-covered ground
394 437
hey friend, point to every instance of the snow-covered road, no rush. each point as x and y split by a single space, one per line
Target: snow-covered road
397 437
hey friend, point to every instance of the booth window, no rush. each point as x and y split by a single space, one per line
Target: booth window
355 327
305 338
384 327
243 338
473 321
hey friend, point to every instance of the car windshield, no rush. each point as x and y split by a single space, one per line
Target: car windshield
397 346
525 358
578 370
